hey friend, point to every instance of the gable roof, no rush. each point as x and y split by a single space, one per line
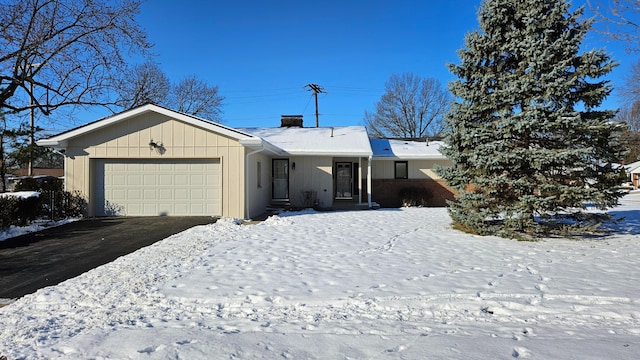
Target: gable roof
388 149
327 141
62 138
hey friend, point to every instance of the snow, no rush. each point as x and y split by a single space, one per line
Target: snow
333 141
14 231
403 149
390 283
21 194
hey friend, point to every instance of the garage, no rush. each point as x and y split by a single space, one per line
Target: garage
157 187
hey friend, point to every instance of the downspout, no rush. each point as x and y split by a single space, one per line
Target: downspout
246 182
359 180
369 181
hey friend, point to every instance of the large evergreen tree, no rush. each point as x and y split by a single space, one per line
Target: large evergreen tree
529 144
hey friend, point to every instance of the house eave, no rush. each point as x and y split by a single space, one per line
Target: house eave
258 144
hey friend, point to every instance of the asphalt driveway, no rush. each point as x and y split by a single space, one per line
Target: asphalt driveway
49 257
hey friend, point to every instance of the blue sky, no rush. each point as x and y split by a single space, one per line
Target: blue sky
261 54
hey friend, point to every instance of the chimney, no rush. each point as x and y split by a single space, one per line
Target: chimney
291 120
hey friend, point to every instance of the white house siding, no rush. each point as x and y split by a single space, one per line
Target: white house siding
130 140
259 194
311 173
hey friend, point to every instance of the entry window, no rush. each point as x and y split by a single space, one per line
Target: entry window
280 186
259 174
356 177
401 170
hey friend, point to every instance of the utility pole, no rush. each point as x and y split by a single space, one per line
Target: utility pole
32 116
316 90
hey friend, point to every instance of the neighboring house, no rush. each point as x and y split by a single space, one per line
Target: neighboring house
633 170
154 161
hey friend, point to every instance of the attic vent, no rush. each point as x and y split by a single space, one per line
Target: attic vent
291 120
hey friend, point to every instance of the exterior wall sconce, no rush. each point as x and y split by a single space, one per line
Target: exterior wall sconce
157 146
293 165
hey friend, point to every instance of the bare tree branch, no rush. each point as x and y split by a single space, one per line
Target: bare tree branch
147 83
193 96
70 52
410 108
621 20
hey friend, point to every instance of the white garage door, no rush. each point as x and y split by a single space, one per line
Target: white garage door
157 187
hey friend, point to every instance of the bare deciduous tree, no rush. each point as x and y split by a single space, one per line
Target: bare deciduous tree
630 90
147 83
65 52
411 107
630 114
621 19
193 96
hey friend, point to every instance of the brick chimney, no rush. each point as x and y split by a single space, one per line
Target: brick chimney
291 120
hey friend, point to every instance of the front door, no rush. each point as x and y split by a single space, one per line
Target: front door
344 180
280 180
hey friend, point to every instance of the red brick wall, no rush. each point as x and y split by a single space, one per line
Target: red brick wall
388 192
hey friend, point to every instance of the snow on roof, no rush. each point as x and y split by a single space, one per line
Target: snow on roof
404 149
334 141
633 167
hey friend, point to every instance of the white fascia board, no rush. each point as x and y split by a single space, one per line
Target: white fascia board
51 143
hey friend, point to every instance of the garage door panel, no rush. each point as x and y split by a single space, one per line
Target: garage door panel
133 179
148 187
181 180
150 180
134 194
181 207
197 180
166 180
134 167
150 194
166 194
116 179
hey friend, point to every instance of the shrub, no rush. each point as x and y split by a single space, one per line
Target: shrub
53 203
18 211
414 196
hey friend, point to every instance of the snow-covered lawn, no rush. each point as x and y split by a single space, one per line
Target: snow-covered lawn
344 285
